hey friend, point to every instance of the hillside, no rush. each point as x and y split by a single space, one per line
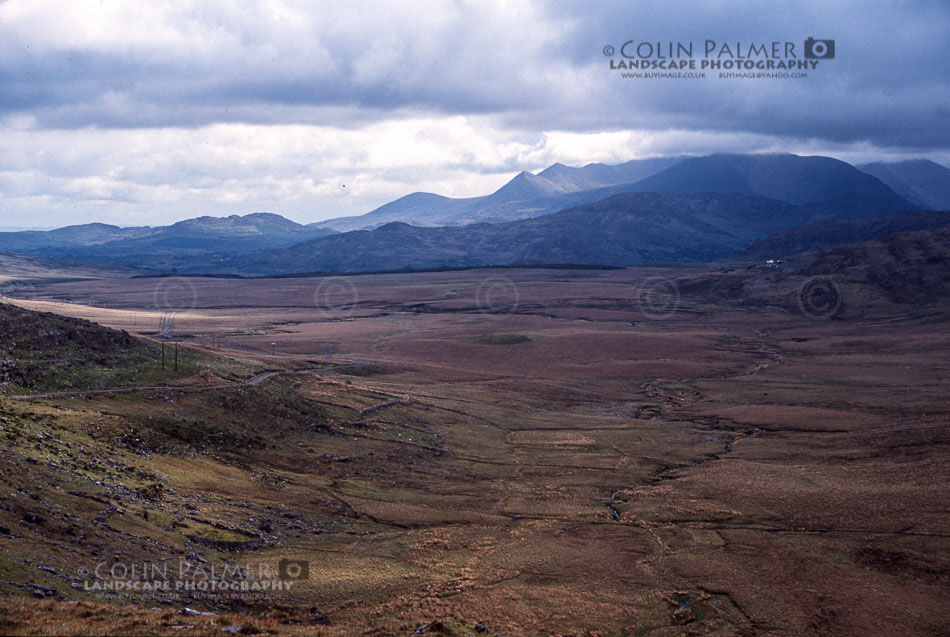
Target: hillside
621 230
93 476
22 268
814 236
785 177
42 352
921 181
911 267
162 247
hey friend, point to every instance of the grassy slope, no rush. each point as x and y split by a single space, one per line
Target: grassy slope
165 475
43 352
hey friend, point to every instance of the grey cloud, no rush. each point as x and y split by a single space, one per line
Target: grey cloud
116 122
538 69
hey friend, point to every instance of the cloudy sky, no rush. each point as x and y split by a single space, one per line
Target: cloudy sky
149 112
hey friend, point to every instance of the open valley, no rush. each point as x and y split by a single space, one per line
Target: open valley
505 451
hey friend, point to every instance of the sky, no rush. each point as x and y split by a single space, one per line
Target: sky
151 112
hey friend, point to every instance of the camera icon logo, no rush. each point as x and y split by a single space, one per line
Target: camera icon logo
819 49
293 569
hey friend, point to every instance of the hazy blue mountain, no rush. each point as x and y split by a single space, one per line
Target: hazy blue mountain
625 229
527 186
162 246
676 214
86 234
599 175
920 181
784 177
526 195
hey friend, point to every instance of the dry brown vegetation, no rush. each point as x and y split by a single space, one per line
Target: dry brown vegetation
522 452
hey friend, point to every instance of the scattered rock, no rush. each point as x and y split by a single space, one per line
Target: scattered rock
682 615
318 617
43 591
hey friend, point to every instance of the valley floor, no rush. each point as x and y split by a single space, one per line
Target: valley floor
512 452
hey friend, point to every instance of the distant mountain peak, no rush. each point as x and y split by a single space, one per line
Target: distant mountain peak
255 221
783 176
526 185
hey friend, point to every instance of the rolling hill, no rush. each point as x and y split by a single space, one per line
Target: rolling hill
814 236
624 229
785 177
911 267
164 246
26 269
921 181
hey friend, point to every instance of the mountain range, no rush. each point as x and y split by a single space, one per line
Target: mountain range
685 209
784 177
624 229
157 248
526 195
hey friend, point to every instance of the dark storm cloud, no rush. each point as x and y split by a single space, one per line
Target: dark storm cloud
888 83
540 66
226 66
152 112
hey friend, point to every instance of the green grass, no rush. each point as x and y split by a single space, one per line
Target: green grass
42 352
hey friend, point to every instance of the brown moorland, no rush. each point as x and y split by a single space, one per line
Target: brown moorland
641 451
